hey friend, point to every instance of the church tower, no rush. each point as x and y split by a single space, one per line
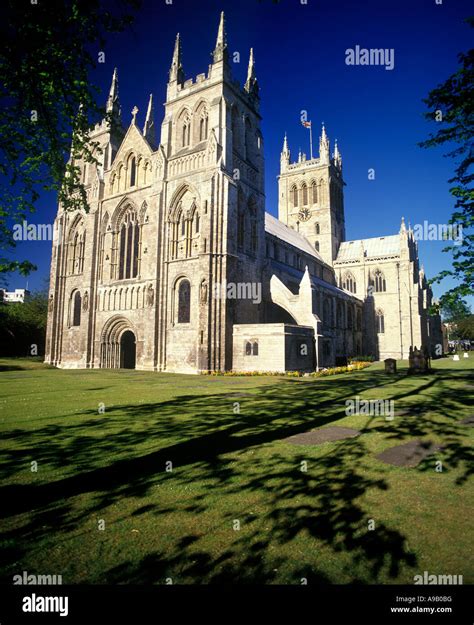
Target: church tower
212 206
311 197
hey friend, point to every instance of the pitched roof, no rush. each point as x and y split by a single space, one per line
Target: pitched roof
280 230
373 248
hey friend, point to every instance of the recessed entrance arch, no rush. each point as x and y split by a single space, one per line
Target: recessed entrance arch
128 350
118 344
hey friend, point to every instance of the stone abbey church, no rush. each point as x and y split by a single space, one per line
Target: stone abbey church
178 267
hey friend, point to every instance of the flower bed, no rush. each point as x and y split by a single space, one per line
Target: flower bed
354 366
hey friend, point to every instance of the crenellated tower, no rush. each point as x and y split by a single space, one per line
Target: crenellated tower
311 197
212 199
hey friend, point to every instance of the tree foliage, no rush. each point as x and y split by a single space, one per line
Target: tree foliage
47 103
464 329
454 310
23 326
451 107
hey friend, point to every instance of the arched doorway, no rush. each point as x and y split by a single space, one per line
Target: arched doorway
118 344
128 350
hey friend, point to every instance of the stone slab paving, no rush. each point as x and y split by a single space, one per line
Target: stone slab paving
241 395
413 411
409 454
323 435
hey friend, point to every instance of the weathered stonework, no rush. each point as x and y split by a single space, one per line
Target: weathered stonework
155 275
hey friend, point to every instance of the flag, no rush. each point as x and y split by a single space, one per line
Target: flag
306 124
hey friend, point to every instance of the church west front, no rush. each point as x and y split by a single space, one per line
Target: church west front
178 266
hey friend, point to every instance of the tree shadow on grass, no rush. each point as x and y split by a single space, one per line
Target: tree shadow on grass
203 438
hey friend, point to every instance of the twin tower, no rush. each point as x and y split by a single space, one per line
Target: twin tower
174 216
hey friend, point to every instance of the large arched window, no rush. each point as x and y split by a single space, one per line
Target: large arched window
326 313
294 195
379 281
203 128
184 302
252 212
129 245
76 248
133 171
304 194
76 309
340 314
248 140
236 137
349 282
314 192
380 322
184 129
185 134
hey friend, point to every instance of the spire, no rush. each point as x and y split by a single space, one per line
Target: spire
220 51
251 84
176 69
149 127
285 155
403 228
337 156
113 103
324 146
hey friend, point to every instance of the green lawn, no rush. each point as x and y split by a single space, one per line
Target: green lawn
111 466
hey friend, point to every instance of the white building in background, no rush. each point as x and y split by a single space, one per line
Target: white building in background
14 297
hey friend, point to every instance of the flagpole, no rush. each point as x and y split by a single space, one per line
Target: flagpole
311 140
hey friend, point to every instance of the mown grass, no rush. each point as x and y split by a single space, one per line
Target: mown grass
102 441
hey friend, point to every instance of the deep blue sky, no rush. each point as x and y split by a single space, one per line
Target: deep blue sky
375 114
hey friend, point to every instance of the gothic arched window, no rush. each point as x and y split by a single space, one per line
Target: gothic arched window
196 223
133 171
76 309
129 245
317 228
236 129
76 248
349 283
379 282
380 322
316 246
340 315
314 192
326 313
184 302
203 126
294 194
304 194
248 140
184 129
252 210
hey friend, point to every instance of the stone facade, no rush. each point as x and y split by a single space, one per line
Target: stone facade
177 254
